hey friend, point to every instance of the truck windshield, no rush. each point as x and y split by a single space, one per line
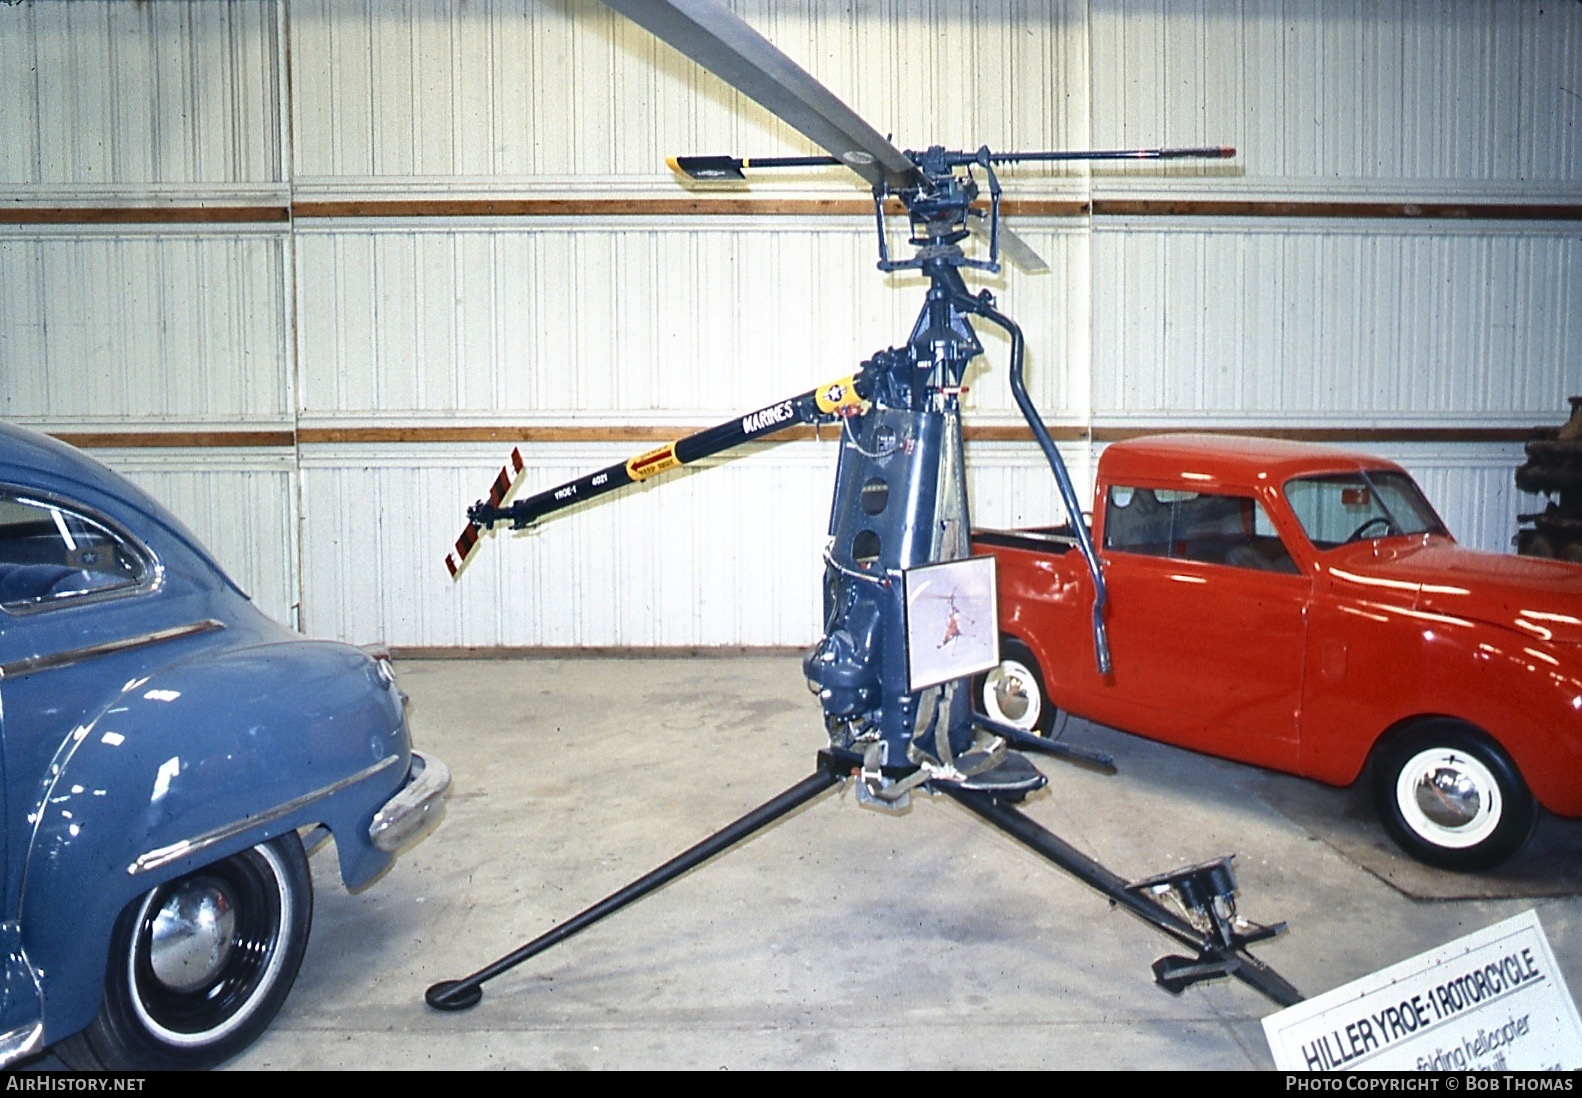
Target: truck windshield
1336 508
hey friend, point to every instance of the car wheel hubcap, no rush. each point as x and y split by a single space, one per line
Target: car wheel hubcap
191 937
1449 798
208 948
1011 695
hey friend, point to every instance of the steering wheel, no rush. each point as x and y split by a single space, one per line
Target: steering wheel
1360 532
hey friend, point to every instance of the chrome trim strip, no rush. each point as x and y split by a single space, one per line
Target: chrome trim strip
78 655
22 1041
164 855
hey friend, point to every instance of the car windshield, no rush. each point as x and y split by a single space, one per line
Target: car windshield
1336 508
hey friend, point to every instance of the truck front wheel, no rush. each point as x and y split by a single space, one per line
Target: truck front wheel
1451 797
1013 693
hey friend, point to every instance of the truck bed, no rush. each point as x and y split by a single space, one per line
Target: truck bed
1038 539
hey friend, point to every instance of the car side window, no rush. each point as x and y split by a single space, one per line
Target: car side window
1200 526
51 555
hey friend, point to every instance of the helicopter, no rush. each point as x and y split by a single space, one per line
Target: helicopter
899 572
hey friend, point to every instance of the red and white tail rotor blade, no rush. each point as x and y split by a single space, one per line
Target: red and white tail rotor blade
503 488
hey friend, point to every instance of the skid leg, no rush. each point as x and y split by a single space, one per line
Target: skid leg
464 993
1213 956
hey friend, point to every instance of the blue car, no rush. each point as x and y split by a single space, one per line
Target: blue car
165 747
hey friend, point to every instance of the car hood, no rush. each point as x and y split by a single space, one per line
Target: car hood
1540 599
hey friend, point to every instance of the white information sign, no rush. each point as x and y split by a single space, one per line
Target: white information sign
1492 1001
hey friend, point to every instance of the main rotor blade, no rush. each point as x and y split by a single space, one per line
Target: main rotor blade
1012 246
725 45
1209 152
728 169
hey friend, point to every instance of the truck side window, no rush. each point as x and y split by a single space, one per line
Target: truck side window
51 556
1200 526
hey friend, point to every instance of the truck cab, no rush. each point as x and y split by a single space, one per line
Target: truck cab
1304 609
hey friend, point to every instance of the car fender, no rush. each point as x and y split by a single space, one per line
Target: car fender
189 766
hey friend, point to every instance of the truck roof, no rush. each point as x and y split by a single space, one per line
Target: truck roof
1205 460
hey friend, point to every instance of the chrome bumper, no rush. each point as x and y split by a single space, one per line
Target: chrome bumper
21 1042
410 810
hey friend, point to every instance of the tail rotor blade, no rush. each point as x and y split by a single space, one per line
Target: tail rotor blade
503 488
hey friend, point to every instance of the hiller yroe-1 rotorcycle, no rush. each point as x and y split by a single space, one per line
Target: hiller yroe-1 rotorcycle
909 612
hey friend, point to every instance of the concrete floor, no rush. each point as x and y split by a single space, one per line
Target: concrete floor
841 937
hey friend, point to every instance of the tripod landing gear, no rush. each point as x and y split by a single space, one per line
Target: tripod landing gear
464 993
1209 925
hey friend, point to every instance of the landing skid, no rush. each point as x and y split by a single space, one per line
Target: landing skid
1206 923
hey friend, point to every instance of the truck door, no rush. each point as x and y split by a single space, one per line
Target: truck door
1207 622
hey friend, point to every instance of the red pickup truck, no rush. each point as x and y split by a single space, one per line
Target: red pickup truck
1304 609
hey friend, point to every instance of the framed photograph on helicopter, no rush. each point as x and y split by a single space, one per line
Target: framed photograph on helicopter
951 621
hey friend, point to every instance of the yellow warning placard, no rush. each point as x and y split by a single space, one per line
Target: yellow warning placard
655 461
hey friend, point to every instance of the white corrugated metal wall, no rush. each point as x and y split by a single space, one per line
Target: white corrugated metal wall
320 307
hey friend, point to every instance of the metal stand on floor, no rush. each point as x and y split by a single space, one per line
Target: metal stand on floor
1206 923
461 994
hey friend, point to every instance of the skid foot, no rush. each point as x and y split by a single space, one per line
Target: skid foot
1176 973
442 996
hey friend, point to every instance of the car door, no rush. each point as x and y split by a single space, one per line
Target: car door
1207 621
83 614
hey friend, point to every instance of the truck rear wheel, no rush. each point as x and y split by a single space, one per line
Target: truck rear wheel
1013 693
